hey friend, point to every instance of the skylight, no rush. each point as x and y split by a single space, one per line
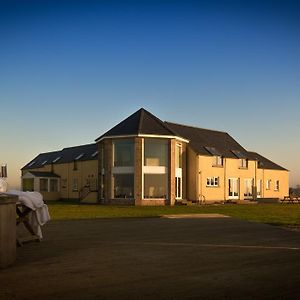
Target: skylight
79 156
238 154
213 151
56 159
94 154
31 164
44 162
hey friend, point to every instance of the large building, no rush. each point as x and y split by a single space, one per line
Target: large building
145 161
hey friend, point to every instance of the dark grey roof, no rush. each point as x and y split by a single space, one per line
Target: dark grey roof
43 174
140 122
209 142
66 155
264 163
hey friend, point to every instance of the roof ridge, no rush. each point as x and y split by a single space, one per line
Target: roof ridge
142 110
191 126
160 122
90 144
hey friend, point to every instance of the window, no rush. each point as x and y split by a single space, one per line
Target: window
268 184
178 162
155 169
123 153
155 186
28 184
155 152
123 186
248 187
64 183
212 181
43 185
243 163
75 184
276 185
217 161
53 185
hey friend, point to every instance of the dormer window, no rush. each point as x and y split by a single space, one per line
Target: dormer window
243 163
217 161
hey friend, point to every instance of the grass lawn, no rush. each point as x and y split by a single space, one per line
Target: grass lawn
276 214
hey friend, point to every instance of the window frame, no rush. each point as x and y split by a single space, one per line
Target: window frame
213 181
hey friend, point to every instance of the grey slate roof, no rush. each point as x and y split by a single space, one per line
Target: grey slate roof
264 163
140 122
206 141
66 155
43 174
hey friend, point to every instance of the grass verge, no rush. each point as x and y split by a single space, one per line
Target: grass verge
276 214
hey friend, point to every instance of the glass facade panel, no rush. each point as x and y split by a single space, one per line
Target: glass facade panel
178 156
123 153
155 186
123 185
156 152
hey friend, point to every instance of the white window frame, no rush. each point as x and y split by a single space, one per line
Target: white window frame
268 184
213 181
217 161
153 170
243 163
277 185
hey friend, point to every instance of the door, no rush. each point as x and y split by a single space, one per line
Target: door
178 184
259 186
233 188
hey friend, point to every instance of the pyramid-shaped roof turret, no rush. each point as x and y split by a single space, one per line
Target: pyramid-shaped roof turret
141 122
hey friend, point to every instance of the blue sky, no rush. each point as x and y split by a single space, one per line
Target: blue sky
70 70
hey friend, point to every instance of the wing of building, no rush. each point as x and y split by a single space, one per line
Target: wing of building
145 161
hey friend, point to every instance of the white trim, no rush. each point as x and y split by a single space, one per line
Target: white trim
122 170
155 170
143 135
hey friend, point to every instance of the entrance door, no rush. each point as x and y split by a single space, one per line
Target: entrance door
178 184
233 188
259 186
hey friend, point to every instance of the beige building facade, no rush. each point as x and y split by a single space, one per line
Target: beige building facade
145 161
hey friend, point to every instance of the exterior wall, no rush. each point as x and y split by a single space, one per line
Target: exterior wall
191 175
184 170
85 170
282 176
231 169
171 173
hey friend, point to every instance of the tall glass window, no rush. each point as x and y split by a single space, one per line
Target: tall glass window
155 186
123 153
155 152
248 186
123 185
178 156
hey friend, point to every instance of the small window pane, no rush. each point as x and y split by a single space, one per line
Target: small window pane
53 185
44 185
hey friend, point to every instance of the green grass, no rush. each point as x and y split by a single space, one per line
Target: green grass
277 214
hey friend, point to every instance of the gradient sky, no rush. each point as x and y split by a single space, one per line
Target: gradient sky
70 70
